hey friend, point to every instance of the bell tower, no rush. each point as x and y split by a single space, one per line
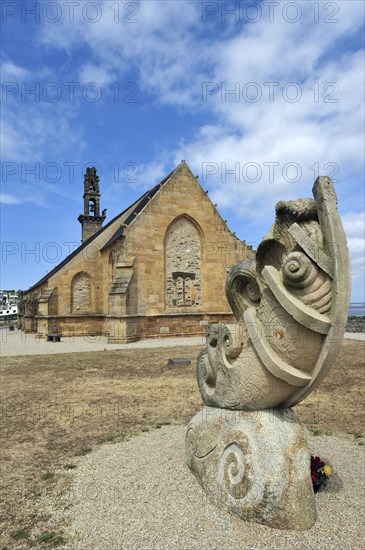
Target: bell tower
91 220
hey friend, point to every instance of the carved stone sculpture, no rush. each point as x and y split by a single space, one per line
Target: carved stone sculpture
291 308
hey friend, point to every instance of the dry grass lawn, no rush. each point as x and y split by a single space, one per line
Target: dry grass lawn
56 407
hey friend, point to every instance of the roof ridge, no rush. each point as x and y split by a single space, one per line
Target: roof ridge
141 204
100 231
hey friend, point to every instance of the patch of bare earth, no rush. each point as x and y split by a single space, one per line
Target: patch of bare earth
58 407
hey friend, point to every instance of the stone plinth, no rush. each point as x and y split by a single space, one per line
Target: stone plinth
254 464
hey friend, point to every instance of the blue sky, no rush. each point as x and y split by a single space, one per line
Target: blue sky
258 98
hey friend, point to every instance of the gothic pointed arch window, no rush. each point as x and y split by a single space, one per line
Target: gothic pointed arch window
81 293
183 264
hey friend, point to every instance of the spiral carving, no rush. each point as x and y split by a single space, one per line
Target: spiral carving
252 291
242 288
307 281
233 470
298 270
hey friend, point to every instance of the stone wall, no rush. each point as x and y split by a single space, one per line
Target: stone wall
82 325
166 277
90 227
355 323
132 328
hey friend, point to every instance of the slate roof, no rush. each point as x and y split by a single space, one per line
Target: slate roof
141 203
126 218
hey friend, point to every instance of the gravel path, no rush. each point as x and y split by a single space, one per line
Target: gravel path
140 495
19 343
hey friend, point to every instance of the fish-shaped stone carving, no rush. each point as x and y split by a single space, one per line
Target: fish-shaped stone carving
291 307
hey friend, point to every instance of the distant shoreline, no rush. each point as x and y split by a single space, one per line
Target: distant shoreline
357 309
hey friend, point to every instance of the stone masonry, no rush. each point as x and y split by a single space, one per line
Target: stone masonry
157 269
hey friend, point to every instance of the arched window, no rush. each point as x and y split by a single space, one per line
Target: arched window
81 293
92 206
183 264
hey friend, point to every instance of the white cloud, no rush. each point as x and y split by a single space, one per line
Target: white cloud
32 127
11 72
33 133
173 52
354 225
93 73
356 246
151 174
142 177
32 197
158 42
9 199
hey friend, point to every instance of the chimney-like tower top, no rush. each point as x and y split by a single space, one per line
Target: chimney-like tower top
91 220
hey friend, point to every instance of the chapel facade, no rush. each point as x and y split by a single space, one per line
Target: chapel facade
156 269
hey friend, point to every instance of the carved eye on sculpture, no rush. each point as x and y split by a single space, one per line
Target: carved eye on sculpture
252 291
213 342
279 334
298 270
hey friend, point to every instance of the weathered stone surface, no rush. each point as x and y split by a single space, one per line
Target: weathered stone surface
291 306
254 464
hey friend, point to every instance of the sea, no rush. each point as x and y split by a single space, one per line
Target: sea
357 309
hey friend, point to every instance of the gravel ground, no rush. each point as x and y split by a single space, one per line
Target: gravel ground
141 495
19 343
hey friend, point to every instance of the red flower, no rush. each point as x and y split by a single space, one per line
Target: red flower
318 475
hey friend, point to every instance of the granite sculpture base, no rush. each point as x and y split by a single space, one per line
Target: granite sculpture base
255 464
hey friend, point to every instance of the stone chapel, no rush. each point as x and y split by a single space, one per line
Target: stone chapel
156 269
